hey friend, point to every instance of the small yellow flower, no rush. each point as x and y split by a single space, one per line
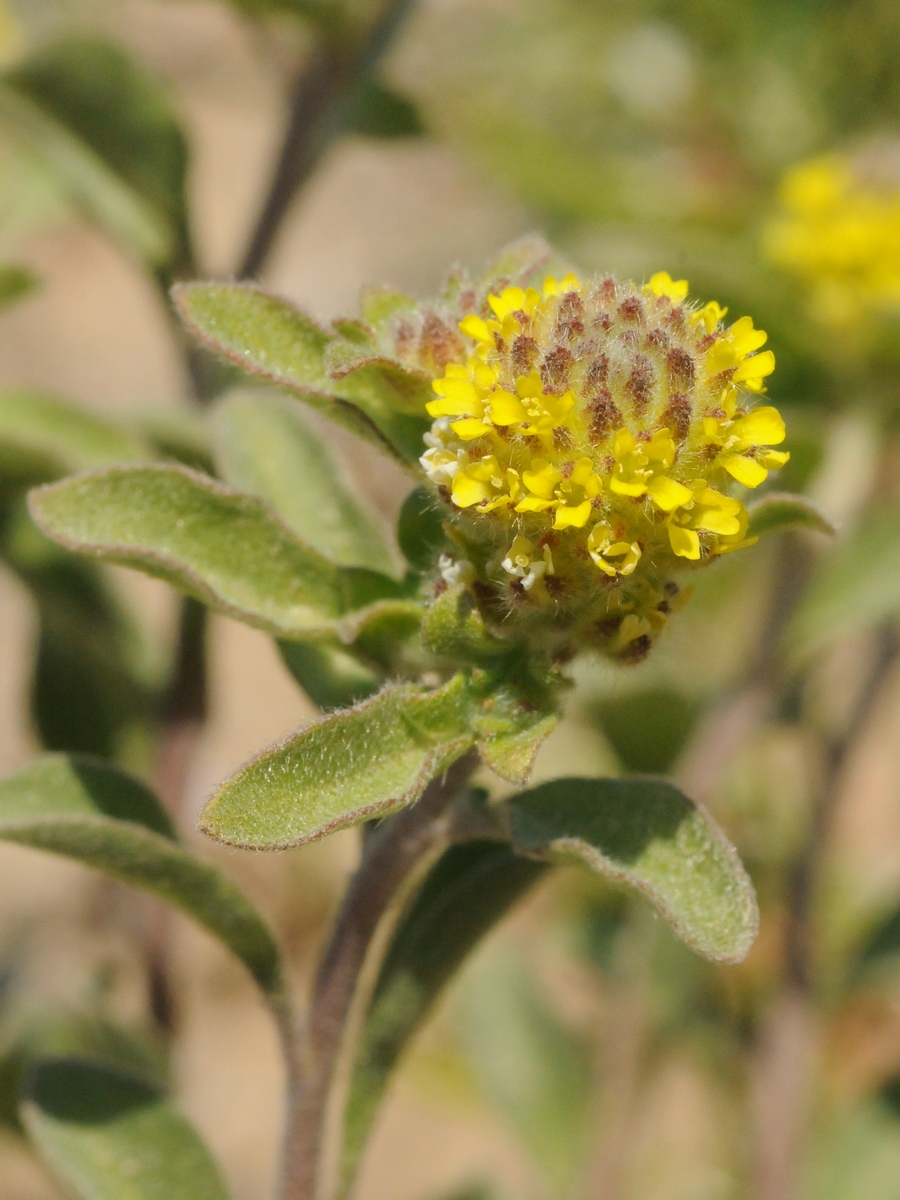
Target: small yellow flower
585 441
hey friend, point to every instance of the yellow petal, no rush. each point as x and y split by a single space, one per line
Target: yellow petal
593 486
542 478
624 443
572 517
745 470
533 504
582 470
745 338
506 409
668 494
761 427
509 300
774 459
623 487
684 542
755 368
470 428
475 328
662 284
467 491
661 447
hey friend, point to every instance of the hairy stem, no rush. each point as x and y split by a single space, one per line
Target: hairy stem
390 857
320 103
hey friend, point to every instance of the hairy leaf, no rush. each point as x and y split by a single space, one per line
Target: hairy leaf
647 834
109 1135
265 446
346 768
470 888
219 545
98 815
120 112
43 437
781 510
89 182
420 530
271 338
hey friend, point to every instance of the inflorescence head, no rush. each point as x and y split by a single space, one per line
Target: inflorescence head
584 441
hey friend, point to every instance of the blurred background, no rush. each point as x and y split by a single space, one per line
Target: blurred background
752 147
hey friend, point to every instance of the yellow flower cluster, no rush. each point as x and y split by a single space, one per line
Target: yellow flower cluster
840 234
586 442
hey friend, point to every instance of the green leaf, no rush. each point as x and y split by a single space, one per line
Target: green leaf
88 181
93 812
225 548
854 1152
124 116
109 1135
781 510
510 734
532 1067
379 112
377 383
329 673
420 530
15 284
647 728
264 446
271 338
42 1033
854 587
453 627
346 768
648 835
470 888
43 437
518 263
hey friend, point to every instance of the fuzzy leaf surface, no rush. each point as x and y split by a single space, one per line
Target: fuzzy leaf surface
271 338
265 446
781 510
96 814
346 768
109 1135
219 545
42 437
645 833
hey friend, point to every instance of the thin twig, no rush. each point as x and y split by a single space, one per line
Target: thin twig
321 101
391 856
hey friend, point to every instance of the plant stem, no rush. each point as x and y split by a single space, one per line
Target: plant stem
390 858
321 101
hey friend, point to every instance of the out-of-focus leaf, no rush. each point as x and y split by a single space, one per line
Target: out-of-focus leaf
46 1033
880 952
648 835
330 674
89 182
265 447
15 284
109 1135
124 116
855 1153
42 437
520 262
223 547
420 530
379 112
346 768
528 1064
271 338
378 384
382 631
780 511
178 434
465 894
93 812
647 728
854 588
